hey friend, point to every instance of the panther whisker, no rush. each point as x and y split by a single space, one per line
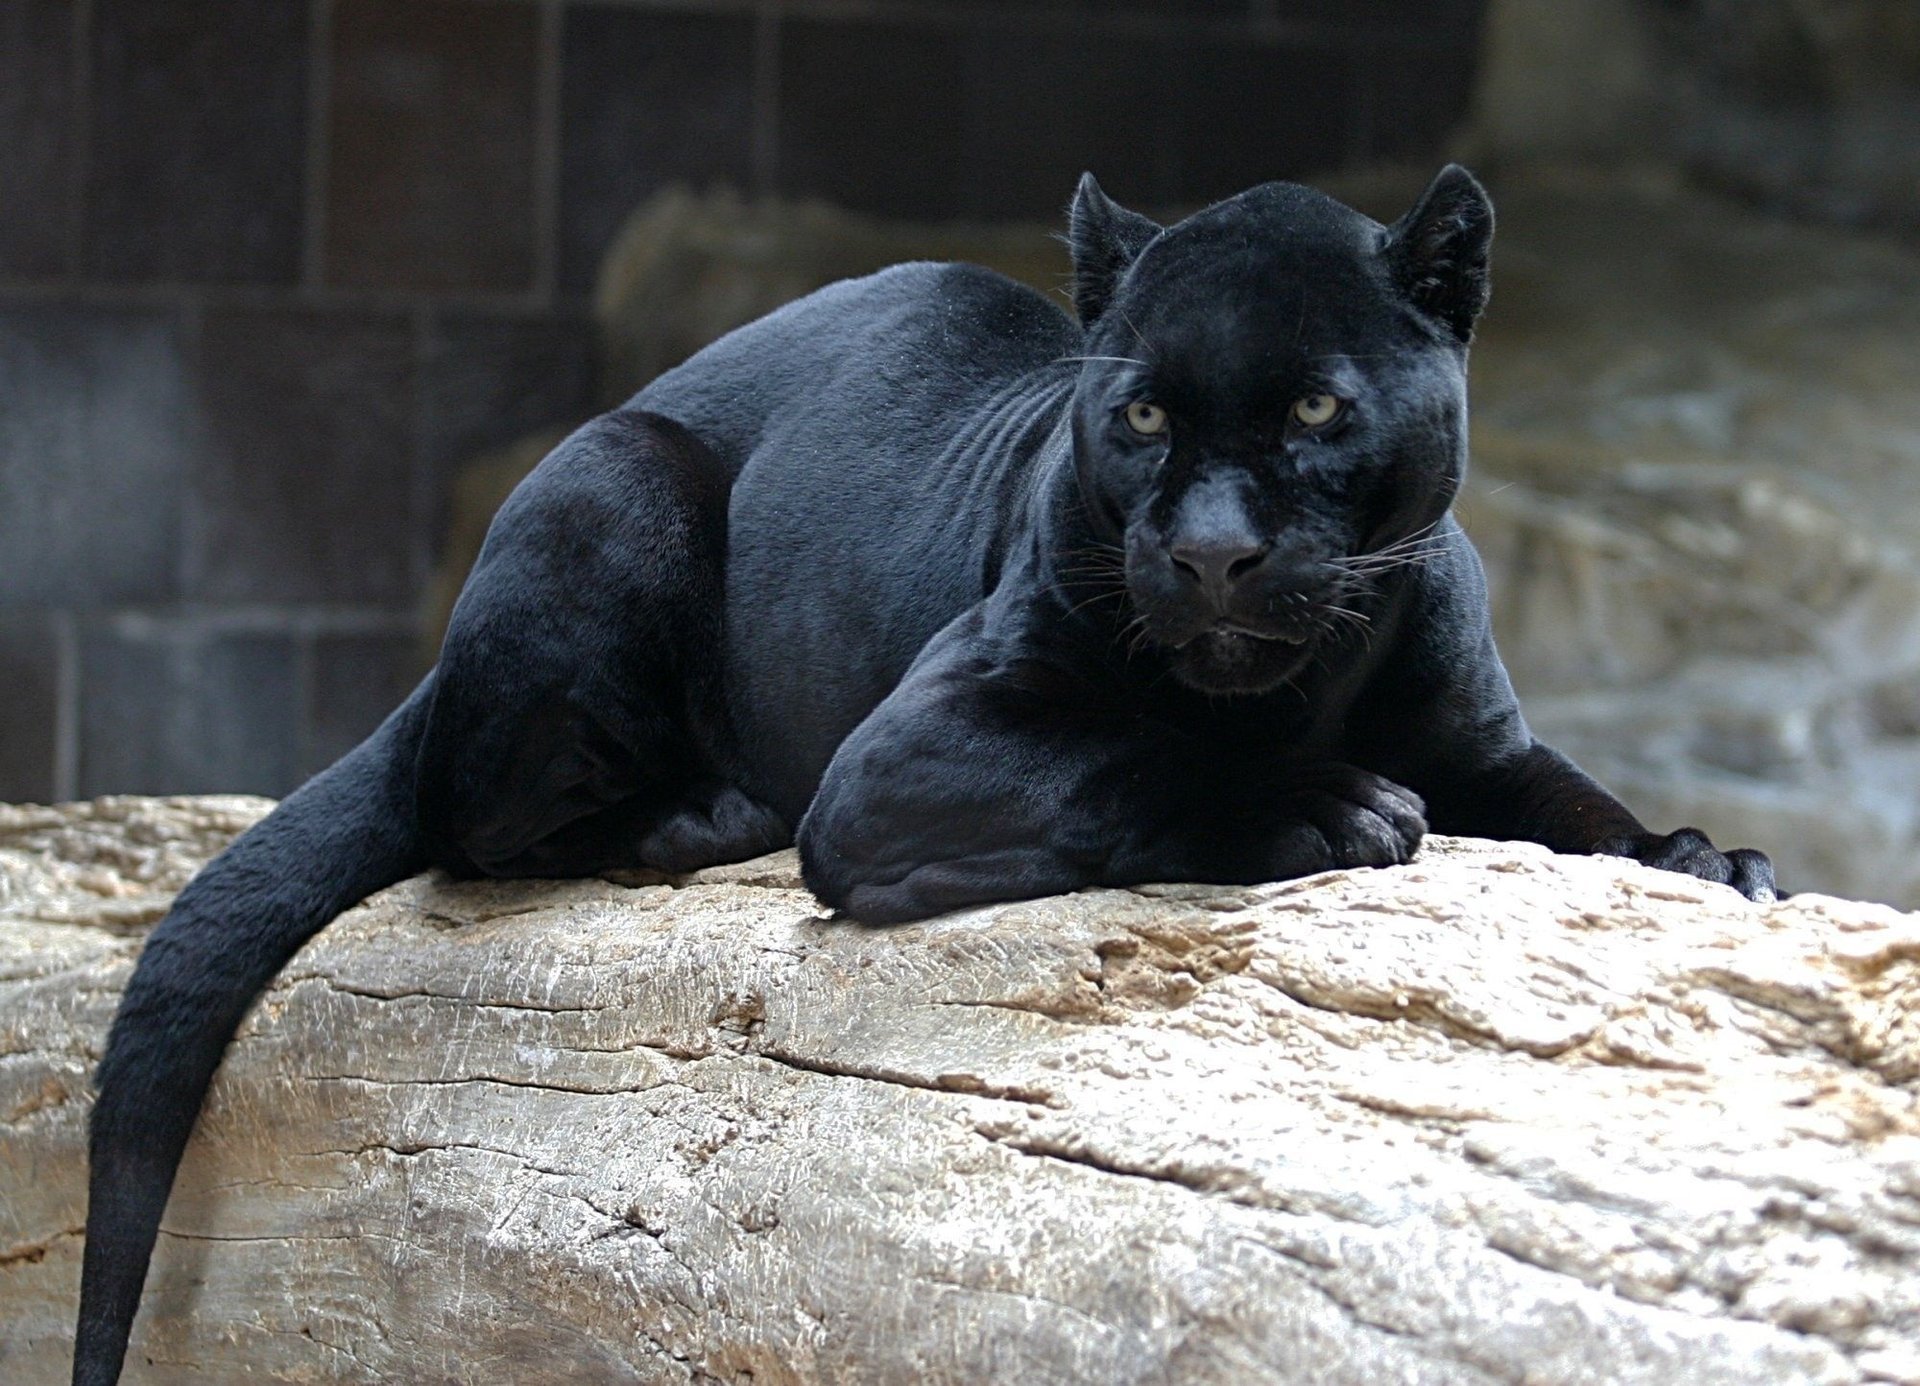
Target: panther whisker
1099 588
1096 597
1366 355
1136 633
1336 620
1411 551
1419 533
1401 551
1418 536
1421 544
1383 563
1139 336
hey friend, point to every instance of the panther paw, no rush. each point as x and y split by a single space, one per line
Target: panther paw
718 825
1690 852
1347 817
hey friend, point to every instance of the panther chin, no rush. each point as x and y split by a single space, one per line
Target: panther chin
1226 659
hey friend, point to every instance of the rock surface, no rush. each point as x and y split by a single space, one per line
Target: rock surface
1697 488
1496 1116
1807 106
688 268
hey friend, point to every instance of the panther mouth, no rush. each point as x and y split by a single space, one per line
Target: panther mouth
1228 658
1226 635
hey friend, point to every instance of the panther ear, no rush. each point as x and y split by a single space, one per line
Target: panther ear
1106 238
1438 251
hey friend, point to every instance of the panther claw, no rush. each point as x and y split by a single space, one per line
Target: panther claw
1359 818
1691 853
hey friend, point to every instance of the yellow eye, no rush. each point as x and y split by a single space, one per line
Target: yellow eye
1145 418
1315 411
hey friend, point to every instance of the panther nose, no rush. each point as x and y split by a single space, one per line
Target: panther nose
1217 564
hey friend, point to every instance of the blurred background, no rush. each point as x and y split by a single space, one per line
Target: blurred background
291 291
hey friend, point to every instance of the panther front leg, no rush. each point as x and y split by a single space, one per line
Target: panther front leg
1440 715
1541 796
982 779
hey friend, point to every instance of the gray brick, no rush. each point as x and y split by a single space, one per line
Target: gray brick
305 489
29 708
94 438
867 117
1041 109
357 680
430 182
648 99
198 140
492 379
1189 9
1449 24
1415 99
36 113
1250 113
170 707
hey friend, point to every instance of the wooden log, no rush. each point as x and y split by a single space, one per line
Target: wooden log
1496 1116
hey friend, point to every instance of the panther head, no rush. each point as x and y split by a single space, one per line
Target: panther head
1273 405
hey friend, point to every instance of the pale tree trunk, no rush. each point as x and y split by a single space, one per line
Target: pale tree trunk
1498 1116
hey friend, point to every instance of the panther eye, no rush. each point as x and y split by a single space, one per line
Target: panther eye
1317 410
1146 419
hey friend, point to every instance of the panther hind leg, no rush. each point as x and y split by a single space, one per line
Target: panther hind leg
715 824
578 722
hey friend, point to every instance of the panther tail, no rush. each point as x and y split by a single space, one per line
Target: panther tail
345 833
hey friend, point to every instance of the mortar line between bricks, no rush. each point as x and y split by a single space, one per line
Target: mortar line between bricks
167 293
305 659
549 73
66 707
1364 112
763 155
195 445
422 481
81 74
319 145
219 618
1261 21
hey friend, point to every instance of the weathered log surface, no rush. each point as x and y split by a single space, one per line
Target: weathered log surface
1497 1116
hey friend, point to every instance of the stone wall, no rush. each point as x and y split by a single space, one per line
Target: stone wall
1808 108
271 269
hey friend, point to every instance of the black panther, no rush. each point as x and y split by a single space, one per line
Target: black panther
973 601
